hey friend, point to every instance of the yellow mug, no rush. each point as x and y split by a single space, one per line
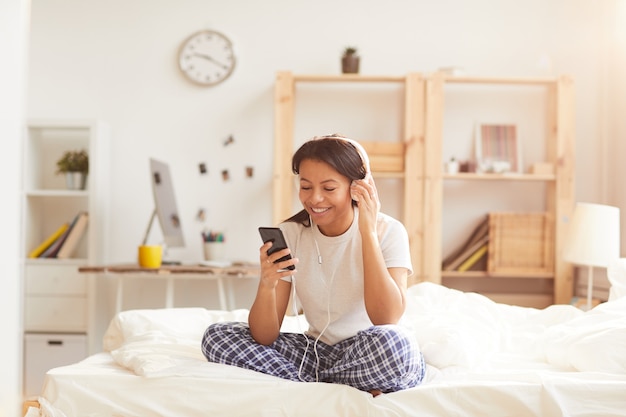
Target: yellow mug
150 256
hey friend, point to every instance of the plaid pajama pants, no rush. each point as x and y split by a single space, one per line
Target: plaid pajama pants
384 358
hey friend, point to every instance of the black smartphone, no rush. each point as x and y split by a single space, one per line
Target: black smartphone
275 235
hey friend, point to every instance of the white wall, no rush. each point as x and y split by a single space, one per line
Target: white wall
116 60
616 103
13 47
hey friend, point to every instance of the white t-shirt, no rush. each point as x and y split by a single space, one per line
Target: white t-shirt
334 287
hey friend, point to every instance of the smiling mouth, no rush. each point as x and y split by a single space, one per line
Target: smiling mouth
319 210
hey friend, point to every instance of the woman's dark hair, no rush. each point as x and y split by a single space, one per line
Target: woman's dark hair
340 154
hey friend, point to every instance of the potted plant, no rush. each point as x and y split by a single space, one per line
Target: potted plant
75 166
350 61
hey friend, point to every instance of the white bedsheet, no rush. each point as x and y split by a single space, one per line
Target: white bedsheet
485 359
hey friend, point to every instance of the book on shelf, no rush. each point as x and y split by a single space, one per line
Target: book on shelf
467 254
53 249
478 238
48 241
73 238
473 259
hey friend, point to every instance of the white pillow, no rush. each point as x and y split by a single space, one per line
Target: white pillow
164 341
616 273
173 325
594 341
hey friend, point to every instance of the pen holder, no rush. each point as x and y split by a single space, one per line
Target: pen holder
213 251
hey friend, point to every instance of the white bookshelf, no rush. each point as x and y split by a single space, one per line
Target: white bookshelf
59 303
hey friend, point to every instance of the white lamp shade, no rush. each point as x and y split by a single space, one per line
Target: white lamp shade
594 235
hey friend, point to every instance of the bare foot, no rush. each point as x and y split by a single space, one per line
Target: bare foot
375 392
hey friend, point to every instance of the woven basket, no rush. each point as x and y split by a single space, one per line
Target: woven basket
520 242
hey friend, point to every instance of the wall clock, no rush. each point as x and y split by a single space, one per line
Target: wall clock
207 57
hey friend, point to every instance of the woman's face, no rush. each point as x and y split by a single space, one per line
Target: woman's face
325 195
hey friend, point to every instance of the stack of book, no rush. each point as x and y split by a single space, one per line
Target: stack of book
472 254
63 242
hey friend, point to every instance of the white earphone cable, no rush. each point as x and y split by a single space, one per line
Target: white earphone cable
294 298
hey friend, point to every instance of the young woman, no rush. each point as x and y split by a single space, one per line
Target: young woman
352 263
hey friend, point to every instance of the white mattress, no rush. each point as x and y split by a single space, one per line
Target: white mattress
485 359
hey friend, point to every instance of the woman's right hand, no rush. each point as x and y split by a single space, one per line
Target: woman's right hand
272 272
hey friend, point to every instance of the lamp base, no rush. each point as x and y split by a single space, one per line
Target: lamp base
589 288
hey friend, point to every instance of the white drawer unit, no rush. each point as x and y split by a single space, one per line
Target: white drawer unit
55 314
59 279
55 299
43 352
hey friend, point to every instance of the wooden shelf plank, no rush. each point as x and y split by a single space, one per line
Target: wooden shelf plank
499 177
505 80
348 78
486 274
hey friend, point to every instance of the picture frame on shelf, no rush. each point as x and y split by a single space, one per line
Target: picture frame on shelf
497 148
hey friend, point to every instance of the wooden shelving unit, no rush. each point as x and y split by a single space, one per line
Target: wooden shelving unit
418 160
558 143
400 160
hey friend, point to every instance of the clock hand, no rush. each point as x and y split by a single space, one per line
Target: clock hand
211 59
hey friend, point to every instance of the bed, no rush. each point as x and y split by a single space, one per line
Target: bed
484 359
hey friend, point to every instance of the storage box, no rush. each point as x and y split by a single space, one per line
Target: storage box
520 243
542 168
385 156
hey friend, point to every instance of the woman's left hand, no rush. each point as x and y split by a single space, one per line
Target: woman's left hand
365 194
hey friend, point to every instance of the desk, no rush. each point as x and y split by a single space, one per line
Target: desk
173 272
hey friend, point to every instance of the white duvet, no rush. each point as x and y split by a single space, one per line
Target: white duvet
484 359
